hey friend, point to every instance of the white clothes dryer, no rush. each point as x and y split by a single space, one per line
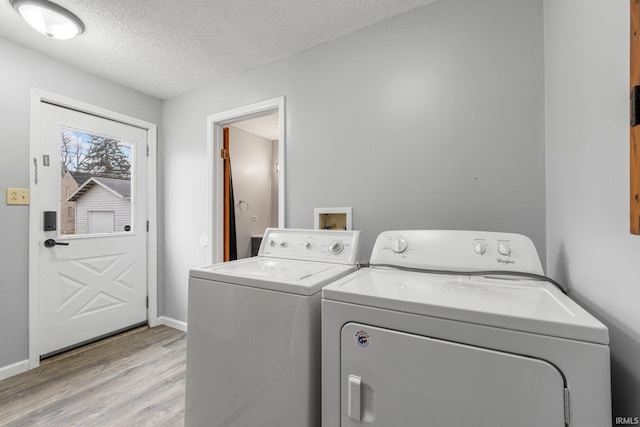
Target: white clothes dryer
459 328
253 341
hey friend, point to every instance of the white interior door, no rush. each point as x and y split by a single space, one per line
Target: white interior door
92 174
390 378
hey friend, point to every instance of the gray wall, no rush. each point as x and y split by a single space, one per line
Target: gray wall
432 119
587 144
21 70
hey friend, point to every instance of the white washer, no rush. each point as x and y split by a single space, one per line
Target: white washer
403 347
253 344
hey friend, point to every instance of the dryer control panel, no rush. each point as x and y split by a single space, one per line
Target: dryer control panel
335 246
457 250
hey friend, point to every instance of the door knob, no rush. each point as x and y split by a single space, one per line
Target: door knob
49 243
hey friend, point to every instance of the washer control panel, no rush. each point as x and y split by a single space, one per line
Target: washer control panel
336 246
457 250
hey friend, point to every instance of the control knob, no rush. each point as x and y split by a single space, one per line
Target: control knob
504 249
335 247
480 248
399 244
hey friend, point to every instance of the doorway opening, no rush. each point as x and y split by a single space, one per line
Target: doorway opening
254 145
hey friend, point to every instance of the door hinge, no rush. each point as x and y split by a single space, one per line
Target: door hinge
147 151
147 225
224 154
567 407
147 301
35 171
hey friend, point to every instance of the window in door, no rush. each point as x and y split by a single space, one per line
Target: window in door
96 190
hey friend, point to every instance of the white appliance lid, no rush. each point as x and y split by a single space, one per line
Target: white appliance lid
522 305
283 275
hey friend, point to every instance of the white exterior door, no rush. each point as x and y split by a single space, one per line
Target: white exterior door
391 378
93 281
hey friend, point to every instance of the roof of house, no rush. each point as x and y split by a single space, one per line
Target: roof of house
119 187
80 177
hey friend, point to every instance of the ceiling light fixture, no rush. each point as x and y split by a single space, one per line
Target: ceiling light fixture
49 19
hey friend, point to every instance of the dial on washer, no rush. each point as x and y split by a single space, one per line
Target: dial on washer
335 247
399 244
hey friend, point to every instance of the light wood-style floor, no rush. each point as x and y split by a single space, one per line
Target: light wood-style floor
132 379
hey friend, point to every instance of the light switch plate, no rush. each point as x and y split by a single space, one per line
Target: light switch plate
17 196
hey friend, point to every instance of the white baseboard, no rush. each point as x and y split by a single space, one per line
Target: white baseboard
173 323
14 369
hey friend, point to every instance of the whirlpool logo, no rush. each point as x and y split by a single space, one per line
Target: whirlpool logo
505 261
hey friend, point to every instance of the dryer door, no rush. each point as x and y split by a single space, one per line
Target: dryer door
391 378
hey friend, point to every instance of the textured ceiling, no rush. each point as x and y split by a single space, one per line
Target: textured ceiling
165 48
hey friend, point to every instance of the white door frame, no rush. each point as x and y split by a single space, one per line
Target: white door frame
37 98
215 123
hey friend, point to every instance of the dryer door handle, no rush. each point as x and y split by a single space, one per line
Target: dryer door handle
354 396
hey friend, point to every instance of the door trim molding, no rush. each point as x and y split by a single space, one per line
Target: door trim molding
37 97
215 123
